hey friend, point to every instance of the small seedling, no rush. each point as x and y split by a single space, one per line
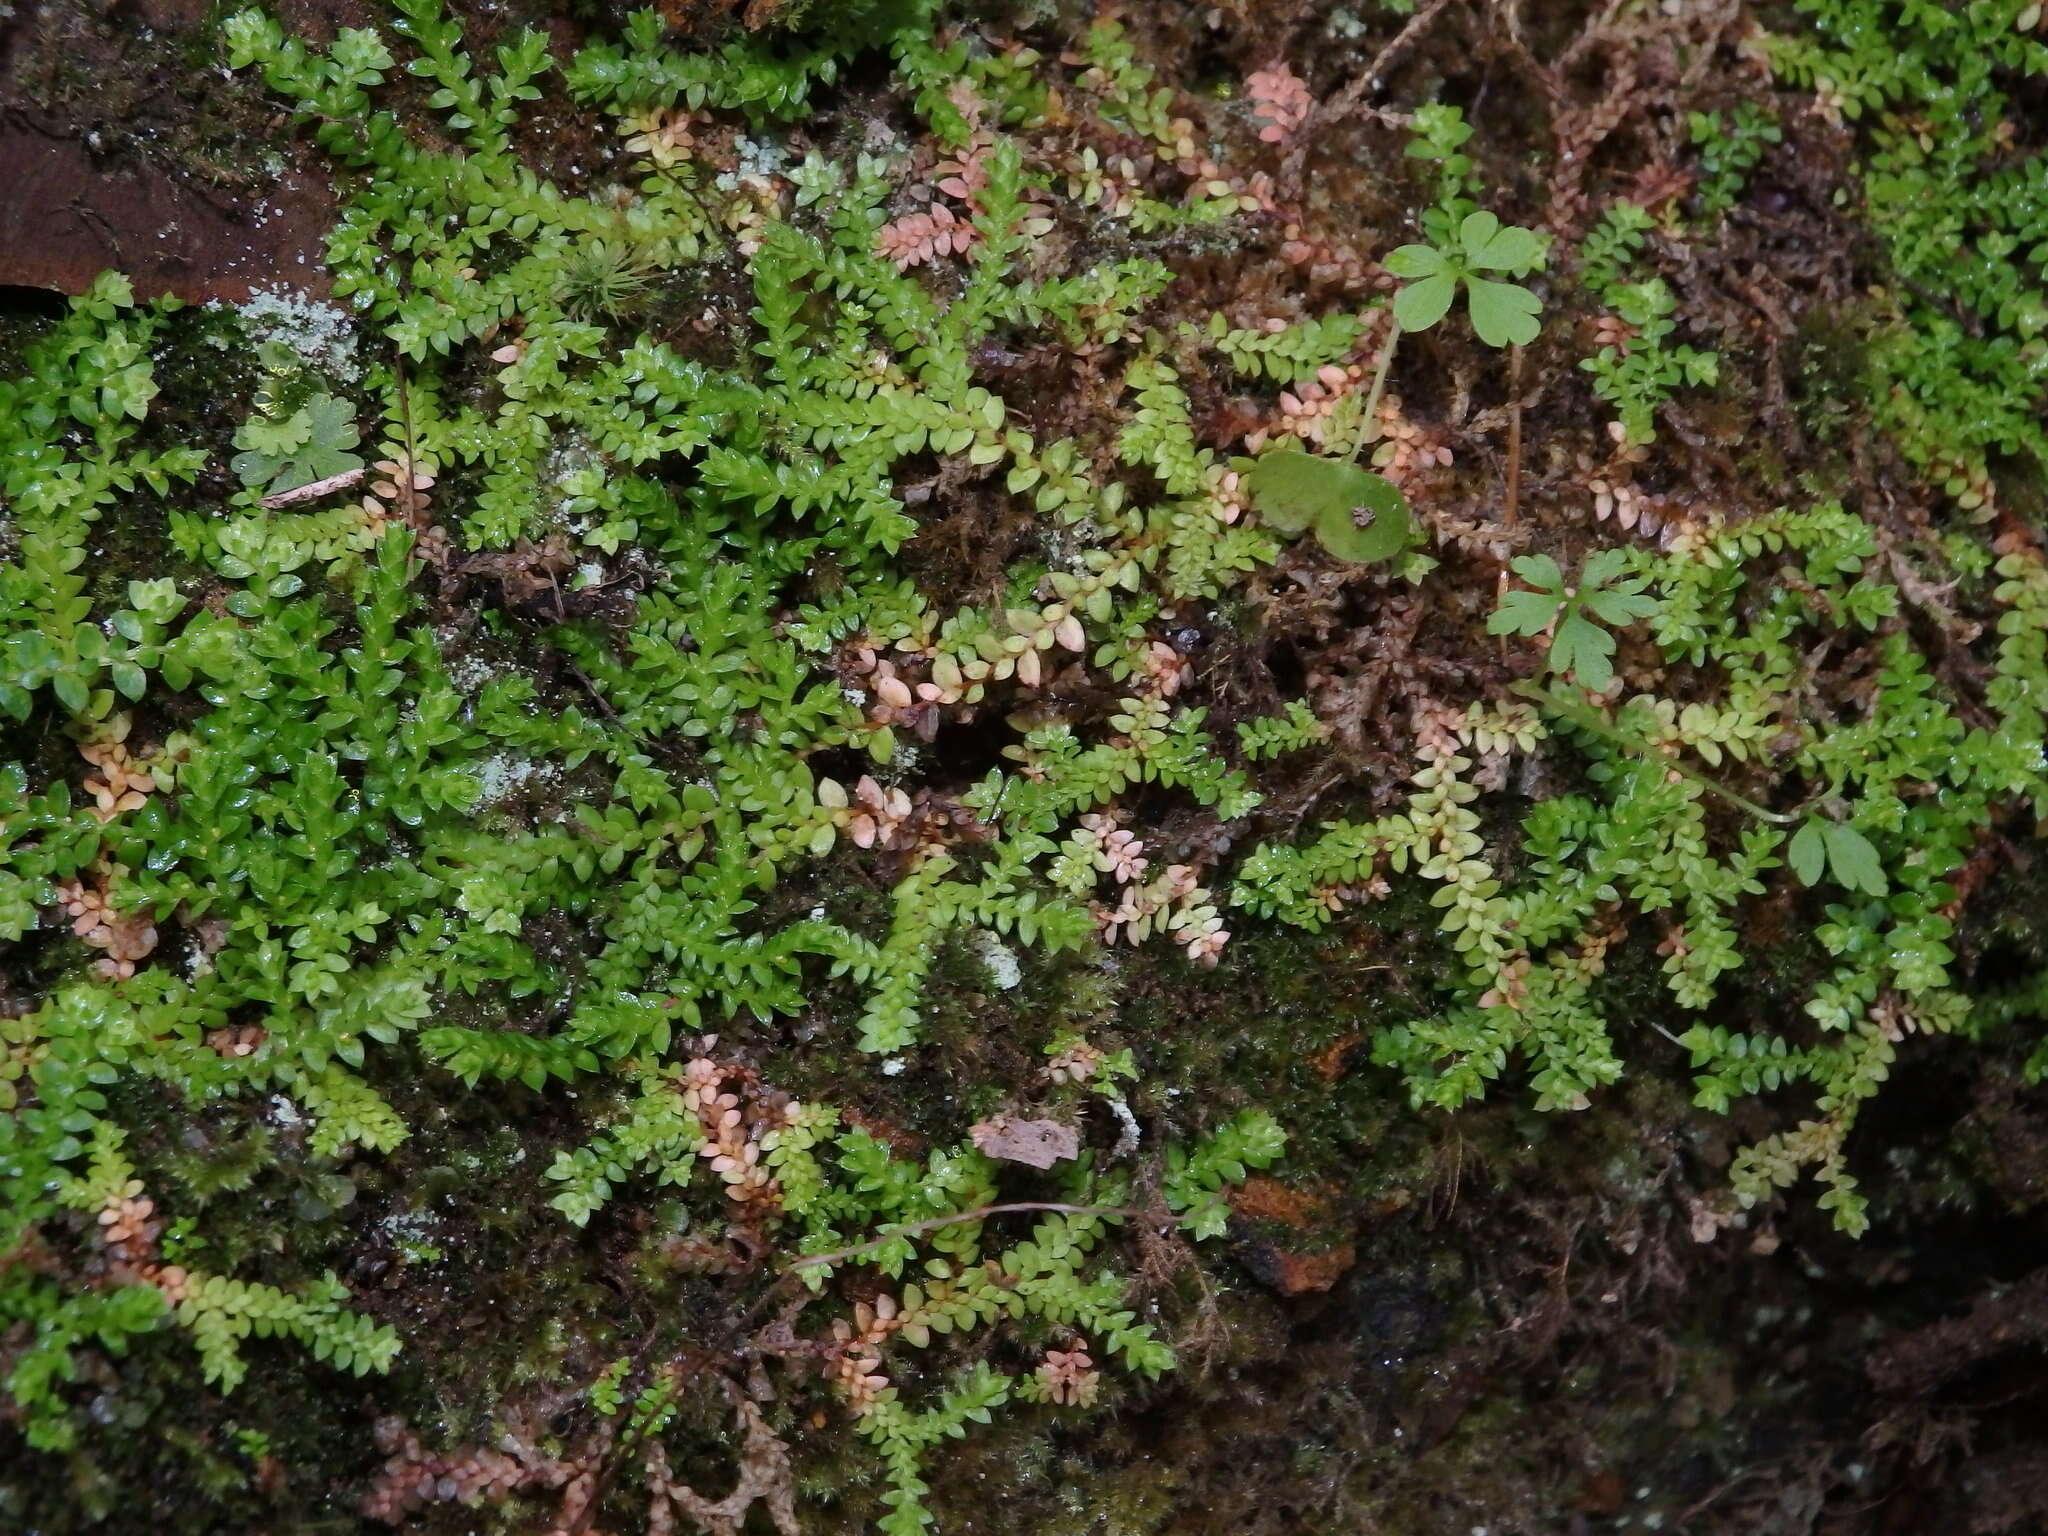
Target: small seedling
1839 848
1503 314
311 444
1356 514
1574 614
1638 377
601 279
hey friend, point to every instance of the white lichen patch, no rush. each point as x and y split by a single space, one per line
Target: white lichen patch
508 773
323 334
997 958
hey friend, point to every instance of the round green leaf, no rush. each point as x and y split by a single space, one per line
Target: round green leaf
1294 491
1373 525
1357 515
1290 488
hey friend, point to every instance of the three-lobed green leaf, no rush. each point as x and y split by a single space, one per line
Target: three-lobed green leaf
1502 313
1578 644
1841 850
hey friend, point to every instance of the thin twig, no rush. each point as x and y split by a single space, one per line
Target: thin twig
313 490
1369 428
404 411
1346 101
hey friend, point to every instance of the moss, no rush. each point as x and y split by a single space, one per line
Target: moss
1528 1331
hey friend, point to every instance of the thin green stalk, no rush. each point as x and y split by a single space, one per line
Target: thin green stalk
1368 431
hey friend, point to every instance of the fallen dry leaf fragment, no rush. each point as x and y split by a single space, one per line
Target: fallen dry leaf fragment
1036 1143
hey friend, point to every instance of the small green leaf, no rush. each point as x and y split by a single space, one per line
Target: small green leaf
1601 567
1420 305
311 444
1619 606
262 435
71 691
1373 526
1584 649
1509 249
1539 571
1357 514
1477 230
1523 613
1502 313
1292 489
1410 261
1854 860
1807 852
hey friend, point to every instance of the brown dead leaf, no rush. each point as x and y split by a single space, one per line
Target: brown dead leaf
1035 1143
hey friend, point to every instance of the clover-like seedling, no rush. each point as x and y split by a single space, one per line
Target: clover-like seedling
1356 514
1577 644
1839 849
1502 313
311 444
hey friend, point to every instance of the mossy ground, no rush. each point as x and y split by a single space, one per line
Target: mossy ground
1527 1338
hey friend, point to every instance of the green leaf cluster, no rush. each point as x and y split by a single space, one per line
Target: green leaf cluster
1574 615
1956 358
1637 377
313 443
1503 313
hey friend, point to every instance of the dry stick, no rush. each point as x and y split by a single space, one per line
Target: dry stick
1346 101
405 423
1511 505
312 490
